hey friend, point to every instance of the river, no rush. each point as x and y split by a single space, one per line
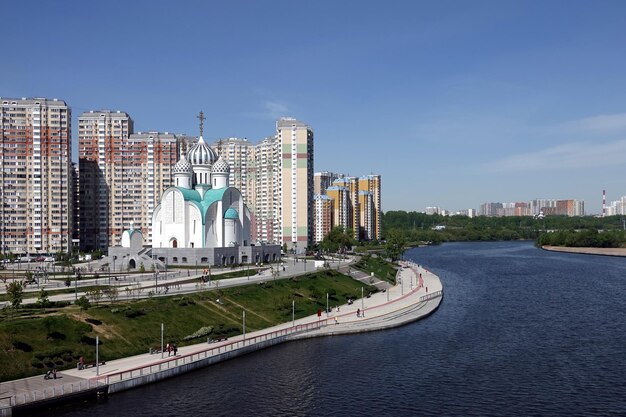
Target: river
521 332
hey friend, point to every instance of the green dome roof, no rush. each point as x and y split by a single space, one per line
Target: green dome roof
231 213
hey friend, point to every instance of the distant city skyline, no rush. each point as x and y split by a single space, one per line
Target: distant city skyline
454 104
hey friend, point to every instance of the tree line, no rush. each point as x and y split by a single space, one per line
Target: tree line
420 227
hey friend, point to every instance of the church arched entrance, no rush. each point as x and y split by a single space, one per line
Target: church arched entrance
132 264
173 243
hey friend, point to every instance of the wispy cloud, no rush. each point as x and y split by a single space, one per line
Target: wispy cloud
275 109
269 109
601 123
563 157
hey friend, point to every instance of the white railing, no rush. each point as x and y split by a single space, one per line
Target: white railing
227 347
51 392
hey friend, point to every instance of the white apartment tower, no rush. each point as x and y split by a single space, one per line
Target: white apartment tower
35 176
264 188
296 147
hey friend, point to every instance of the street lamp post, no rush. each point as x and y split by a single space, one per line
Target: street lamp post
97 356
362 302
75 285
244 326
162 328
326 305
293 313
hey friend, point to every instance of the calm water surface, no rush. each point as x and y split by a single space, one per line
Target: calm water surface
521 332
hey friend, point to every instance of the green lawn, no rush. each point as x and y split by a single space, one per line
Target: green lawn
31 341
380 267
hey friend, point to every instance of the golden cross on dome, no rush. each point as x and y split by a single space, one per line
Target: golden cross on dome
202 118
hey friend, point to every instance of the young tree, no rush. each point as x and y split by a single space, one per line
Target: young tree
95 295
111 293
83 303
396 243
43 300
15 291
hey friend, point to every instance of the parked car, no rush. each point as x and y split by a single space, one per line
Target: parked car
49 259
40 258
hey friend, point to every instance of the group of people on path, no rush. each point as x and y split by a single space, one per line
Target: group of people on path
171 347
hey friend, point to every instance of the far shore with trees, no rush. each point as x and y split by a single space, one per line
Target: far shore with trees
586 231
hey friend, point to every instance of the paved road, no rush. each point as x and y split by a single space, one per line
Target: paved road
171 282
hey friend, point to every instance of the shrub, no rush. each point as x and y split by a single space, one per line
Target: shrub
87 340
24 347
184 301
131 313
203 331
36 363
59 304
56 336
83 302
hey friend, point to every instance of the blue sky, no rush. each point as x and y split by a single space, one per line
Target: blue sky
454 103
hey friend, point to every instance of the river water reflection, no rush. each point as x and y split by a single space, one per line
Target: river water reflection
520 332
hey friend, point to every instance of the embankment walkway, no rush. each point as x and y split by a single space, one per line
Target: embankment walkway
417 294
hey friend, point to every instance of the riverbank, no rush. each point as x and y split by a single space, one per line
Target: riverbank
417 295
587 251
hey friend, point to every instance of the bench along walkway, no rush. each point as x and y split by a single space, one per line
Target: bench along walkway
411 299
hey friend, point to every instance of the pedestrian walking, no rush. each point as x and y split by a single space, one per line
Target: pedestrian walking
175 350
168 348
358 312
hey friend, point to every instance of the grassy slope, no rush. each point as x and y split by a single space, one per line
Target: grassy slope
59 337
381 268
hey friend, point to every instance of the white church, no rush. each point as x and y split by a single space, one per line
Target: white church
200 220
201 210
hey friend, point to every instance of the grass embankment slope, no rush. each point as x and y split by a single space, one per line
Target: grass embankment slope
380 267
32 341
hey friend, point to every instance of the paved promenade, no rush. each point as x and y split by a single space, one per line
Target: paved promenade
417 294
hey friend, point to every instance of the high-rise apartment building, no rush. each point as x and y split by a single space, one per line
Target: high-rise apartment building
296 147
617 207
323 180
154 155
366 216
264 191
323 212
102 139
341 205
351 185
35 176
372 184
122 176
238 154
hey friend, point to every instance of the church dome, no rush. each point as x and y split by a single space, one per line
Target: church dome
182 167
201 154
221 167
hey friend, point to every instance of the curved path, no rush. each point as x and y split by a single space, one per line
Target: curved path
417 295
